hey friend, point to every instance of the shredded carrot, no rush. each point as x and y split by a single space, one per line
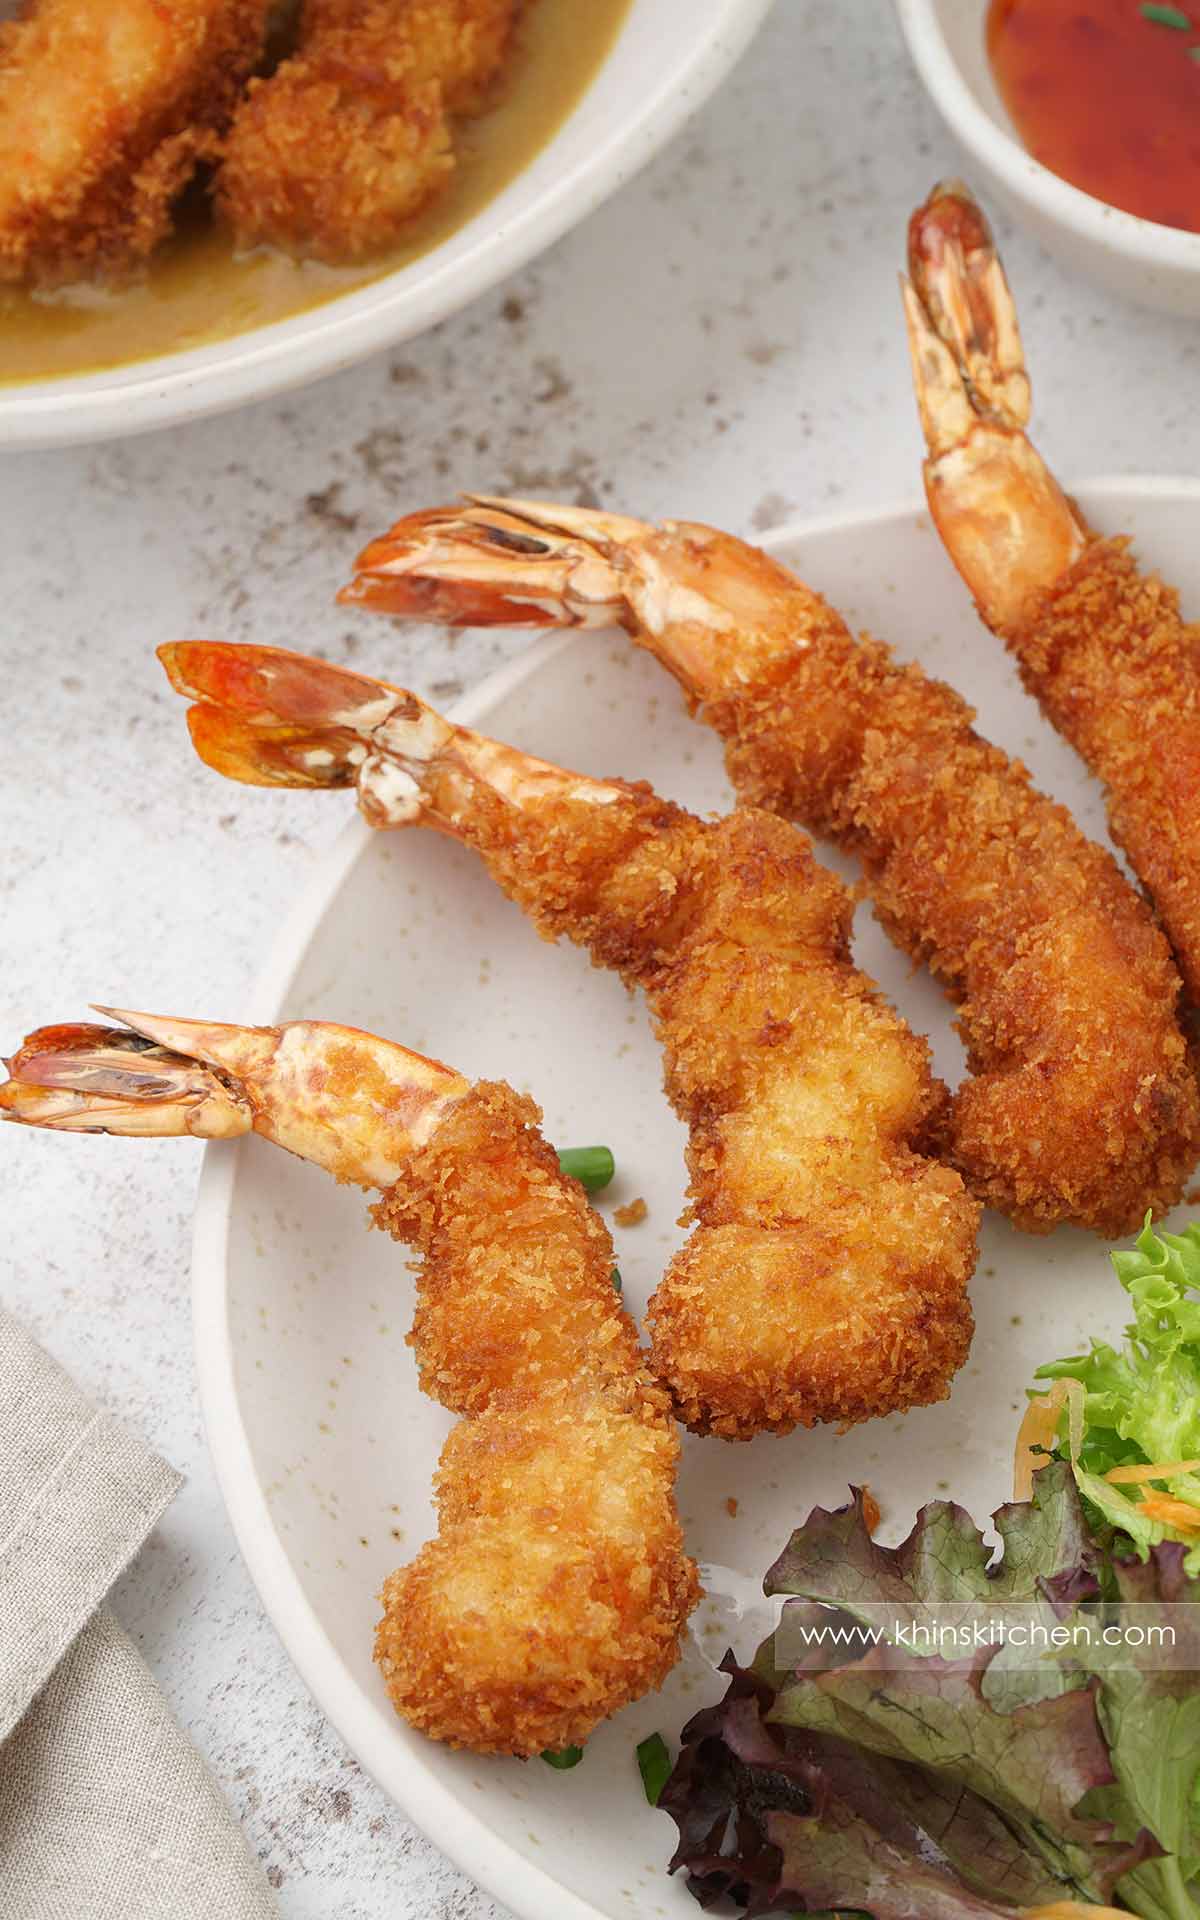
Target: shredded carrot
1133 1476
870 1508
1180 1514
1072 1910
1038 1432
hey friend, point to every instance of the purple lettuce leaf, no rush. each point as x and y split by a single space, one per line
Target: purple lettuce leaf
1033 1765
824 1856
775 1817
833 1559
866 1780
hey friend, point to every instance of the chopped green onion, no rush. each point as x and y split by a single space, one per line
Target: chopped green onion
593 1167
654 1759
616 1280
564 1758
1165 16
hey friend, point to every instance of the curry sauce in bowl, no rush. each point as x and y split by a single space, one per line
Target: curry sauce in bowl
198 288
592 89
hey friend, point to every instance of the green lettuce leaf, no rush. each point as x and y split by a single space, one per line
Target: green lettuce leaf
1142 1401
1150 1715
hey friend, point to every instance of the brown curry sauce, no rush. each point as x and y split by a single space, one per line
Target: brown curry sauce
197 290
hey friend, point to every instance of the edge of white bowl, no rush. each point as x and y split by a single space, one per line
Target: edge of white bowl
1092 220
442 1816
271 360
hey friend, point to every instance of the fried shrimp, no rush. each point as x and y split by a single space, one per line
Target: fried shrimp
826 1278
1080 1104
1099 644
556 1589
332 154
105 112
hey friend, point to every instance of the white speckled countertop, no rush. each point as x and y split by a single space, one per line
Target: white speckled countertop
722 341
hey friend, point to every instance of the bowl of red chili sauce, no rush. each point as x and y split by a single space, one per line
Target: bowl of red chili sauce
1084 117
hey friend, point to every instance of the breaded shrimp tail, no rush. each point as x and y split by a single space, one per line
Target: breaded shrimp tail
1100 645
826 1278
334 153
557 1588
105 111
1081 1103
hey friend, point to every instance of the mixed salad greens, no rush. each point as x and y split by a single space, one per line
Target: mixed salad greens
845 1774
1128 1418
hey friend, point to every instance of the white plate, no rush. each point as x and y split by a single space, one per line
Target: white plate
666 60
323 1445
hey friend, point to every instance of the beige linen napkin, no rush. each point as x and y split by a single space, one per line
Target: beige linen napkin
107 1812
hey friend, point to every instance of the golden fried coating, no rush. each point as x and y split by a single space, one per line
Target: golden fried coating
105 111
516 1275
1115 669
827 1276
1082 1104
556 1589
336 151
458 43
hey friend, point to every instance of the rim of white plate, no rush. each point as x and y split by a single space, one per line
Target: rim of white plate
441 1815
1148 241
288 353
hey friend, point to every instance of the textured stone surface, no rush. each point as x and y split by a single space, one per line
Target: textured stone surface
721 341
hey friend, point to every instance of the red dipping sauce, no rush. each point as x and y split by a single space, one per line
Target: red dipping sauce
1107 97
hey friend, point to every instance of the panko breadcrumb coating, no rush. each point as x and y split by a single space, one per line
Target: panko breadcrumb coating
106 108
1101 646
333 154
1081 1104
826 1278
556 1588
1107 654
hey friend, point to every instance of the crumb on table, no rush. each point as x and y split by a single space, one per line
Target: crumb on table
631 1214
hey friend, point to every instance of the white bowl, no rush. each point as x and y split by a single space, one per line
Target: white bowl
668 57
324 1446
1154 265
